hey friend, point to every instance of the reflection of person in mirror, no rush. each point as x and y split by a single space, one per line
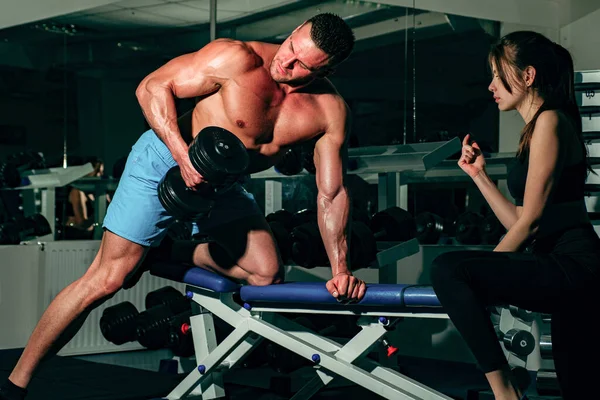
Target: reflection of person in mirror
79 213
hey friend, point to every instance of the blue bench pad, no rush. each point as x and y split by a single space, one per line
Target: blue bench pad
194 276
386 295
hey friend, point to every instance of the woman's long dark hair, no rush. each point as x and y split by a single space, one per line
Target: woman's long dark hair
554 80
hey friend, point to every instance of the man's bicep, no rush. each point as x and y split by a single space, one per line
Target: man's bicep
329 163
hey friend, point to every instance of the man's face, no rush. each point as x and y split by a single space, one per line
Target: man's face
298 59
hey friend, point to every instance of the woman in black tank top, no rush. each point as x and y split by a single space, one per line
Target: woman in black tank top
548 260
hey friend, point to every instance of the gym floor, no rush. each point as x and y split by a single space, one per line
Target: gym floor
69 378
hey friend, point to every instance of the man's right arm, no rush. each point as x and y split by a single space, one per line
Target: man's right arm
191 75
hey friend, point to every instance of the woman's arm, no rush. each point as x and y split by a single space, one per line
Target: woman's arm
473 163
505 211
546 158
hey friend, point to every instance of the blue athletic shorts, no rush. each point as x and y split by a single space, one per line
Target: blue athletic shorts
135 213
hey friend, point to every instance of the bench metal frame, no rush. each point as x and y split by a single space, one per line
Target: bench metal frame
331 359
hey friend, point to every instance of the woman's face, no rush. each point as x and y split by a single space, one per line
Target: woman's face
507 101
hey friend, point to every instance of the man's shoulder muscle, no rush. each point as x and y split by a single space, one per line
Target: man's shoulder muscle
231 54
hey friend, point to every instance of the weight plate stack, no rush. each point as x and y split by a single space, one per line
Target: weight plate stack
181 202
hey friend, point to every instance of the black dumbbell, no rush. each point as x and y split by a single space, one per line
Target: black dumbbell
393 224
220 157
430 227
118 323
468 228
291 161
517 341
152 326
162 307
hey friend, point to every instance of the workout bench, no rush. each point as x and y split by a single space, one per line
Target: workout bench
255 313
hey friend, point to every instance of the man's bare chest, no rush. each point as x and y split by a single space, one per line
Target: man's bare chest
271 116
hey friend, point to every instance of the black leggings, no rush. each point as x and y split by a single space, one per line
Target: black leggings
559 277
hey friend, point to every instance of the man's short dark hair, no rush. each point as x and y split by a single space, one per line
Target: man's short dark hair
332 35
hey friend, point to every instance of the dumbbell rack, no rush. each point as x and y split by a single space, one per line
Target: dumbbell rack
46 181
587 83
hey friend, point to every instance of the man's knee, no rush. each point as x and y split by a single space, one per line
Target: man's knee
100 286
267 275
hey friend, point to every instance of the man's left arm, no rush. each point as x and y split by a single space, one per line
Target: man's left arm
333 207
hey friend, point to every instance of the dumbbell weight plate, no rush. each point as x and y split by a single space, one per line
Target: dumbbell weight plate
397 223
519 342
218 155
181 202
152 326
118 323
429 228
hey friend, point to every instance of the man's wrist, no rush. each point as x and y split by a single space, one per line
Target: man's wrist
340 270
180 156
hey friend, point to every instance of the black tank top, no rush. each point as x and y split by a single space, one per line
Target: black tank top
570 185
